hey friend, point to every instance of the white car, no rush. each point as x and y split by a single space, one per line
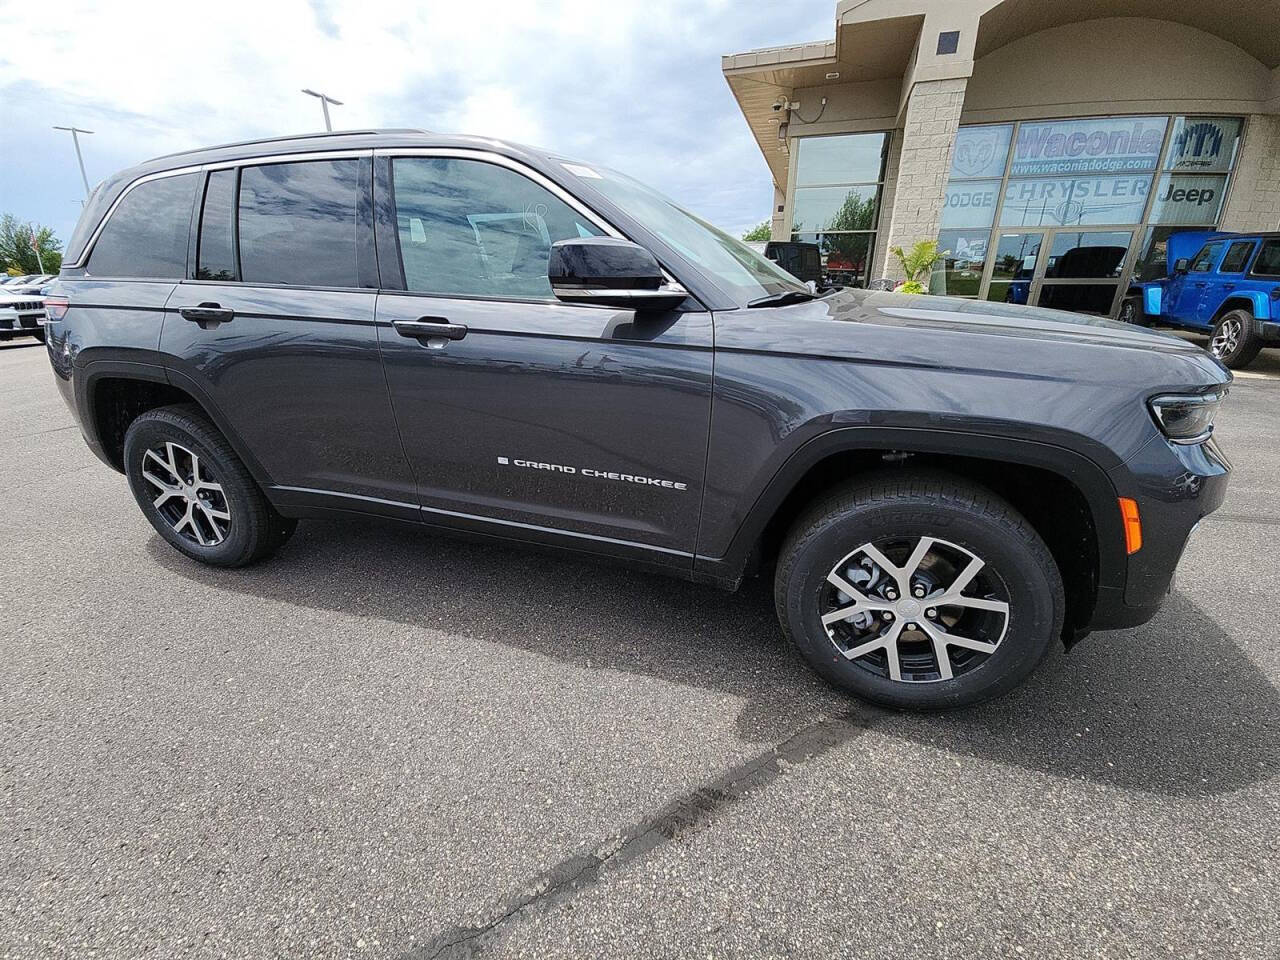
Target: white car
21 315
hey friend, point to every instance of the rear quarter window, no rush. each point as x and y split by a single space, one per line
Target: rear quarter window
146 235
1268 262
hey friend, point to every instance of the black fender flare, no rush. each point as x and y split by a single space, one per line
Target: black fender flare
92 371
1084 470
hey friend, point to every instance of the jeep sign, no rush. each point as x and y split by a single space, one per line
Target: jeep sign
1190 201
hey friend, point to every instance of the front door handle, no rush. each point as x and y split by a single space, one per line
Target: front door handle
207 313
1201 283
426 327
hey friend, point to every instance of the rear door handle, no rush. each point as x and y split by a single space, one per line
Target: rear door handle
1201 283
426 327
207 313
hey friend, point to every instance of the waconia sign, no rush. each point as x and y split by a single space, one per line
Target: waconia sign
1088 146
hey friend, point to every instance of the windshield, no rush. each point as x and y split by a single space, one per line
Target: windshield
744 274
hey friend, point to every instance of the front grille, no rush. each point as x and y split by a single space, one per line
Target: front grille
24 306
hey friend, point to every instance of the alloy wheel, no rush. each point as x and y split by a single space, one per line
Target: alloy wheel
914 610
1226 338
189 496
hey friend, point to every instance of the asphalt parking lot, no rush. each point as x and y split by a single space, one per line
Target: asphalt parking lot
385 744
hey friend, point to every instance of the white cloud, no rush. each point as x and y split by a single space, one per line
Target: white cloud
635 85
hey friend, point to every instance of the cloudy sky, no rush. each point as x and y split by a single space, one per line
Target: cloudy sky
634 84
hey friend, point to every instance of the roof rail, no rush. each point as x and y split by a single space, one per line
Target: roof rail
296 136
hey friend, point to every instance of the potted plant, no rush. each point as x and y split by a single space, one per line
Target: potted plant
917 263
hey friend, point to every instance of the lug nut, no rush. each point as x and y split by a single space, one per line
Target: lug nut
919 591
888 616
931 613
891 594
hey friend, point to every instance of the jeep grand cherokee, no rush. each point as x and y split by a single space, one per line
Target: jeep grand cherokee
500 342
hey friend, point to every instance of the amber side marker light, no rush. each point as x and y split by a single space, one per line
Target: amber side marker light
1132 525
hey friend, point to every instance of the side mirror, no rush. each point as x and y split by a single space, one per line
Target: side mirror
610 272
1181 265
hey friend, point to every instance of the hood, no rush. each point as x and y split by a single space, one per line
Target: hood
995 337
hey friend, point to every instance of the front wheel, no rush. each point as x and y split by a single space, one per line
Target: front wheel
1235 339
919 590
1131 312
196 492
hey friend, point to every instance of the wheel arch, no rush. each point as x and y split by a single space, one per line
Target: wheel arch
1255 302
1078 518
114 393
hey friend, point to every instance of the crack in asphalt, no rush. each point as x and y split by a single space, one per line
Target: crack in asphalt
1244 518
677 818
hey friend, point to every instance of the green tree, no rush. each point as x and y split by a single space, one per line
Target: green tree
18 256
916 263
760 233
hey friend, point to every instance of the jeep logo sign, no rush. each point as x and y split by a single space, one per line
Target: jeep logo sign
1088 146
1192 201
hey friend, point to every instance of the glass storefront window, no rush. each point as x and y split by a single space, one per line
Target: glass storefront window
1063 204
981 152
1104 144
846 257
1074 200
1014 267
846 158
834 208
970 203
1087 255
959 273
1204 144
1186 199
835 201
1079 298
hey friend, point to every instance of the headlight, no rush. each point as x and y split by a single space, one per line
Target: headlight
1186 418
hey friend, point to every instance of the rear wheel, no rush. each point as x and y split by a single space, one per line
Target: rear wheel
1235 339
920 591
196 492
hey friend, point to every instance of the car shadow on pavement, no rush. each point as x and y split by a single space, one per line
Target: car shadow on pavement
1174 707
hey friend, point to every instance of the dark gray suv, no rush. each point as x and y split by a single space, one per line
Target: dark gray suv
491 340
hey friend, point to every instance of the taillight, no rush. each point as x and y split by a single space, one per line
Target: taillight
55 308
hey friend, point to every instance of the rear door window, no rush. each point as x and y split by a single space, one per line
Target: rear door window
1237 256
146 235
474 229
302 223
1268 262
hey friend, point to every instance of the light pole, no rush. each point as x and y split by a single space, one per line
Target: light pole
75 137
325 100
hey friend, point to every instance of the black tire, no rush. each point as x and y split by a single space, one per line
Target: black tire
1131 311
1235 340
253 530
905 508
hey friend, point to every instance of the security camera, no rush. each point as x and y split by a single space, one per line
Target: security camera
779 104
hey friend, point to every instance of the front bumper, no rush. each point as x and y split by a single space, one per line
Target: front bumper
1176 486
20 323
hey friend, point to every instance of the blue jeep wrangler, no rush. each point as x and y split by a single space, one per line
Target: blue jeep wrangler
1226 283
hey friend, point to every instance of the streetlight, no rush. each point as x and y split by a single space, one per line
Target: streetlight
325 100
75 136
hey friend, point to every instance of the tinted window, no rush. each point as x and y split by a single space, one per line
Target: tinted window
299 223
1268 262
146 236
469 228
216 254
1237 256
1203 262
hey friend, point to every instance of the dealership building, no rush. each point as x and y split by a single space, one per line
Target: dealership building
1050 147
